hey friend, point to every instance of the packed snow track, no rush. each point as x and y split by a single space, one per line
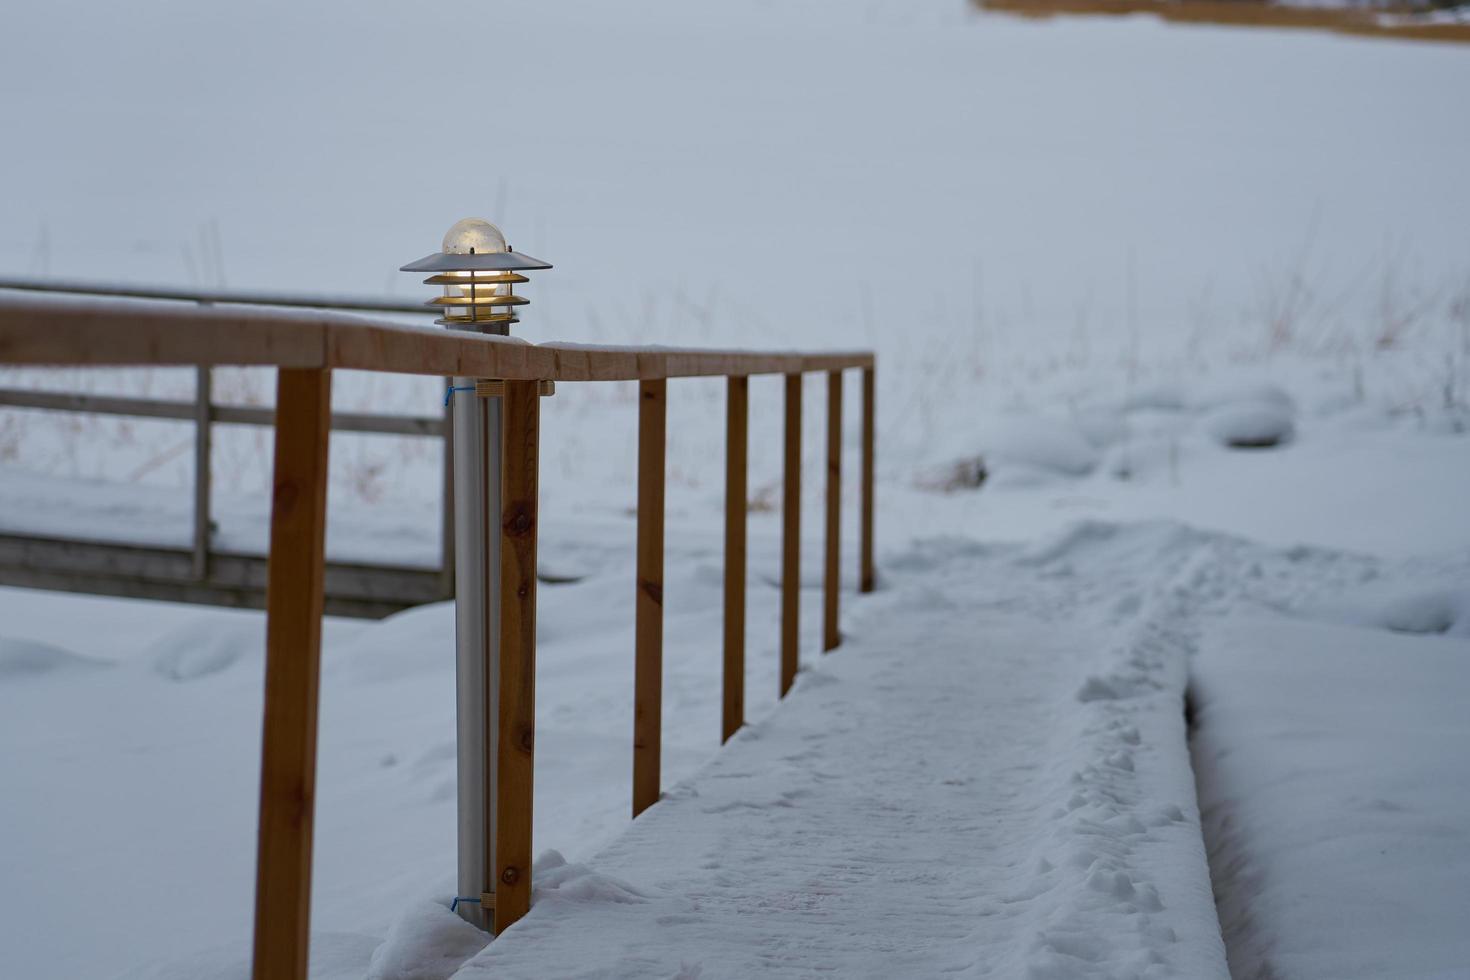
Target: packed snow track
988 779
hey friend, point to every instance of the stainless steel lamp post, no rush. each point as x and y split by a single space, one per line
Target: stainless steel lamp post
478 271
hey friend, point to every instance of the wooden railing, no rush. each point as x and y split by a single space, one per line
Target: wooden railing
306 348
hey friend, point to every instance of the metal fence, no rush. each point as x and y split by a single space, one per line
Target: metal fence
202 572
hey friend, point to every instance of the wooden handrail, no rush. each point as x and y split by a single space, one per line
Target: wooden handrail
97 333
306 346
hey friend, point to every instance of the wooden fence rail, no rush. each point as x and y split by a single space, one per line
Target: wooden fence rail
305 348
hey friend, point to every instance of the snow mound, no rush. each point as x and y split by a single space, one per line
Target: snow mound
1044 446
22 659
1427 610
1250 425
426 942
1446 611
558 881
208 646
562 569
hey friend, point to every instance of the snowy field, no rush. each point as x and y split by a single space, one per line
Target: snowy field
1092 254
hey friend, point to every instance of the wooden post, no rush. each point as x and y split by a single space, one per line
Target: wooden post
831 574
791 537
648 666
517 735
865 558
203 416
737 401
292 672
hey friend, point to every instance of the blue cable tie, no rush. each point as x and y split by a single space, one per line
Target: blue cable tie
462 898
448 395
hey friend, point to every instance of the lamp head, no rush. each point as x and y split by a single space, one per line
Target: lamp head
478 269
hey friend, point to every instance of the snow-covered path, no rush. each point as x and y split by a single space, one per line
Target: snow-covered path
988 778
956 790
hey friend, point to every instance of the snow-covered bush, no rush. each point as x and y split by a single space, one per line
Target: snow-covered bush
1250 425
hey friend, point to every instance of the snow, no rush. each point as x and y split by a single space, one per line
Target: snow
941 795
1067 845
169 723
1250 425
1356 481
1040 446
1404 609
334 956
20 659
1090 255
1332 795
1335 790
427 942
203 647
1004 724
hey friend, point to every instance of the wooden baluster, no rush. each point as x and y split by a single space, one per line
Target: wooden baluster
737 402
831 573
866 575
515 756
791 538
203 419
649 612
292 674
